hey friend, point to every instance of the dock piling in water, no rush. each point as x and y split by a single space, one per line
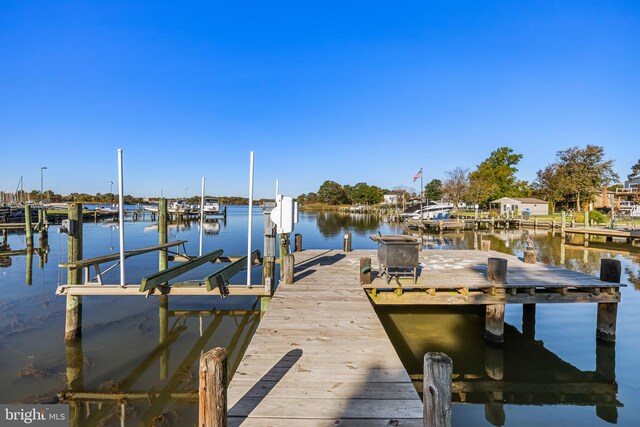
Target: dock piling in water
610 271
438 368
73 317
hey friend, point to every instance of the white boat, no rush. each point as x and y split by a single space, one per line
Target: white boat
179 206
434 210
211 206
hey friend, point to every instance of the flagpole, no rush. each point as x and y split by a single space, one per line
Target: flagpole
421 195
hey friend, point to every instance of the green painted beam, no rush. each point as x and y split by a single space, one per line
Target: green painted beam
223 275
164 276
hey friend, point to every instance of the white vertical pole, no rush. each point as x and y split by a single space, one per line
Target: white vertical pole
250 220
121 212
201 215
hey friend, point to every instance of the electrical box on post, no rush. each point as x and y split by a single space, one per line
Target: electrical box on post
285 214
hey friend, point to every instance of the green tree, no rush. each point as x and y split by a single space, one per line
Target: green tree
553 184
586 170
332 193
635 170
365 194
433 190
499 172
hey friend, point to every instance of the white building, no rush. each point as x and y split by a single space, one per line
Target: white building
392 197
522 204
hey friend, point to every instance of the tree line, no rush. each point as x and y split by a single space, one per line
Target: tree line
573 179
332 193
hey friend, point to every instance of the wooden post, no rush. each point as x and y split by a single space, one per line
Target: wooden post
438 368
73 317
5 236
268 270
29 278
163 233
28 228
497 271
530 256
365 271
298 244
213 389
610 271
563 224
287 266
346 246
535 223
494 317
485 245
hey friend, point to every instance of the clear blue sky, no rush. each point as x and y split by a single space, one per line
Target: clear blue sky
349 91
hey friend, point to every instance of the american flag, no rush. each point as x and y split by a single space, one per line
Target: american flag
418 175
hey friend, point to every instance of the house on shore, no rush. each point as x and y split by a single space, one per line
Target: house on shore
522 204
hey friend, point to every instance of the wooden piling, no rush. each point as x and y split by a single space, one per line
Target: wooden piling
163 317
212 389
28 228
497 270
287 267
485 245
29 274
163 233
346 246
268 270
610 271
438 368
563 224
298 244
494 316
365 271
73 317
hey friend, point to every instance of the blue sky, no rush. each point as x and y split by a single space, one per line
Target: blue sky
349 91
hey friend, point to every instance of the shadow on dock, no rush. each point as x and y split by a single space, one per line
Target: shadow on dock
254 396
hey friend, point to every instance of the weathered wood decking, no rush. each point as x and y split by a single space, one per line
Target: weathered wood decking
321 357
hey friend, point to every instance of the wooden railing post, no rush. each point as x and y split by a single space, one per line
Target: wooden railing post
485 245
212 390
610 271
438 368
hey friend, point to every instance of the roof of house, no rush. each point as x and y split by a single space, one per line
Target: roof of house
528 200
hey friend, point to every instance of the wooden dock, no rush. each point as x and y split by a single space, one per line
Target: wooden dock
630 236
321 356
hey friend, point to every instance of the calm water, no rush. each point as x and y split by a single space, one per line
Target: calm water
548 373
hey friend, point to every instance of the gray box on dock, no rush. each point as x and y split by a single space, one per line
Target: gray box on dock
398 252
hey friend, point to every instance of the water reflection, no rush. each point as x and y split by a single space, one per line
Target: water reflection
332 224
522 371
167 396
